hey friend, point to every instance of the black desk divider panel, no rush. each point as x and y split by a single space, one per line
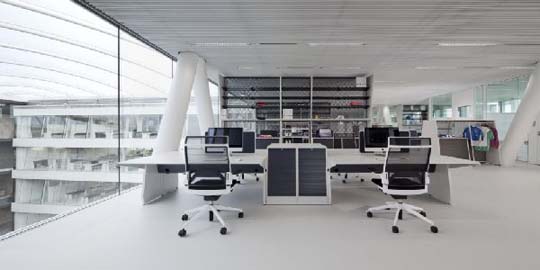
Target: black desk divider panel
348 143
312 172
328 142
361 142
337 143
281 172
264 143
248 144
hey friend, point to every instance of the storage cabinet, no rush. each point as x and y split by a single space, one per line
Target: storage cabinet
297 174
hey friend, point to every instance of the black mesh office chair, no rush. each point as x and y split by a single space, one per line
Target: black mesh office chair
208 174
405 173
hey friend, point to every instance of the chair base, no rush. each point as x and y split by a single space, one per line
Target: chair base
401 207
213 210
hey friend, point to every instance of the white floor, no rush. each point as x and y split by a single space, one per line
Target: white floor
494 224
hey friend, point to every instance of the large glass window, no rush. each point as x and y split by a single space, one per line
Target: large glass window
499 101
442 106
82 96
59 71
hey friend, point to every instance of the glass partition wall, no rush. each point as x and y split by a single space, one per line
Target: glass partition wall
84 95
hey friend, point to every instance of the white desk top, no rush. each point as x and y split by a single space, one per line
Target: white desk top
335 156
177 157
353 156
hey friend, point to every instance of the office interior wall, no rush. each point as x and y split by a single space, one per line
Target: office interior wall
463 99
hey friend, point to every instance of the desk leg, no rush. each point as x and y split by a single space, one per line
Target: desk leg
439 186
155 184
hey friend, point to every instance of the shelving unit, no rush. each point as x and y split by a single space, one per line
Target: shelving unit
258 104
413 116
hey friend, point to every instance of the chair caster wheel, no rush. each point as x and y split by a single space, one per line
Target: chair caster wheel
184 217
434 229
257 179
210 216
395 229
223 231
362 180
241 215
387 209
344 181
400 215
423 213
369 214
182 233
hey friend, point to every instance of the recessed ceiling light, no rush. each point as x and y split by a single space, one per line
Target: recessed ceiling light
465 44
278 43
221 44
390 82
315 44
296 67
436 68
328 67
246 68
518 67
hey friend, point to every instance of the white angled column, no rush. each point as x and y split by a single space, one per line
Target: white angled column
386 117
156 184
175 114
523 120
202 97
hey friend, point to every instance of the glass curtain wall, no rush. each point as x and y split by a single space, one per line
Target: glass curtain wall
87 95
61 62
442 106
499 102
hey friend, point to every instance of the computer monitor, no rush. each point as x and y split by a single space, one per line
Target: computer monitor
273 133
404 133
324 132
235 136
376 139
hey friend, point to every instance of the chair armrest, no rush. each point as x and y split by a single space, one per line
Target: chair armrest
427 179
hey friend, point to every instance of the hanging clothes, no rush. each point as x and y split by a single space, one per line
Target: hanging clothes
495 142
484 144
480 137
473 133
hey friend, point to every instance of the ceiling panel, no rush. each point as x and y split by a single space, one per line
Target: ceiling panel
400 38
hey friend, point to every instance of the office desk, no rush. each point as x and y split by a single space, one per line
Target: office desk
161 170
352 161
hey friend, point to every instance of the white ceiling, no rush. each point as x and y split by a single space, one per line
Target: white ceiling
399 37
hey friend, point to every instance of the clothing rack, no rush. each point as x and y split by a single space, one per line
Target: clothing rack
455 128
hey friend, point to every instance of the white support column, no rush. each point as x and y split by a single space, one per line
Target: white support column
387 119
202 97
155 184
523 120
175 114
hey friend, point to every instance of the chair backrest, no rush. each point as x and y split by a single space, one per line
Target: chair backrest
206 157
407 158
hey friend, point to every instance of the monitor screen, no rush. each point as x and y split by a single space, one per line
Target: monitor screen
234 134
273 133
325 132
378 137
